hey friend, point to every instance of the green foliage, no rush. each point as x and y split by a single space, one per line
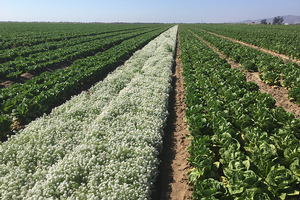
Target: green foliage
278 20
275 38
209 189
294 94
272 69
281 181
249 65
295 168
241 137
264 21
254 194
5 124
270 77
243 180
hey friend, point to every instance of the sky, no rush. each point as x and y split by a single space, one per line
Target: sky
162 11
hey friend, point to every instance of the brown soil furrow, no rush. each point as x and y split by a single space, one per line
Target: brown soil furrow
282 56
172 182
278 93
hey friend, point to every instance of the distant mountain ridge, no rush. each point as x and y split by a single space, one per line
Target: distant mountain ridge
291 19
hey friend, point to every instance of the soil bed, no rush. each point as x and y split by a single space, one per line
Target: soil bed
172 182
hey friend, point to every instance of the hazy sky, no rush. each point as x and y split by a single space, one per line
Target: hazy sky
185 11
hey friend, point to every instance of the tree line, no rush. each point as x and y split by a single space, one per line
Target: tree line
277 20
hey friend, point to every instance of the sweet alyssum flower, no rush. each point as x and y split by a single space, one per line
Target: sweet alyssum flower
98 145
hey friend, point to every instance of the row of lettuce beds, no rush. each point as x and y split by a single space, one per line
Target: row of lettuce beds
22 102
75 49
16 37
243 146
60 42
280 39
272 69
102 144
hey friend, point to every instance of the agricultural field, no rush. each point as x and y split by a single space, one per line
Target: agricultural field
272 69
47 67
149 111
280 39
104 142
243 145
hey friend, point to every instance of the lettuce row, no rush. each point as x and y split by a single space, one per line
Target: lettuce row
228 130
18 37
281 39
262 151
271 68
60 42
42 60
203 150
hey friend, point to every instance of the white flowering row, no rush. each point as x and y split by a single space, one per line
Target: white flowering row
99 145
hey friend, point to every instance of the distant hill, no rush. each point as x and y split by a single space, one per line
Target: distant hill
291 19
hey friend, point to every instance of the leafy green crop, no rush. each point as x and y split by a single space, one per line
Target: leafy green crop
269 77
281 182
281 39
242 141
209 189
272 69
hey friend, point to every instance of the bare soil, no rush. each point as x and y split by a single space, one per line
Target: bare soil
277 92
6 84
172 182
27 76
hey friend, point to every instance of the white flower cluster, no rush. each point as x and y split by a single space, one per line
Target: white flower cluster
99 145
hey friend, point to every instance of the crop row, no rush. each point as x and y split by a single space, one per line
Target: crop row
51 57
272 69
22 102
243 146
34 51
101 144
280 39
19 35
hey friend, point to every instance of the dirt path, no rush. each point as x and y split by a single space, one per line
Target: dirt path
172 183
279 93
282 56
